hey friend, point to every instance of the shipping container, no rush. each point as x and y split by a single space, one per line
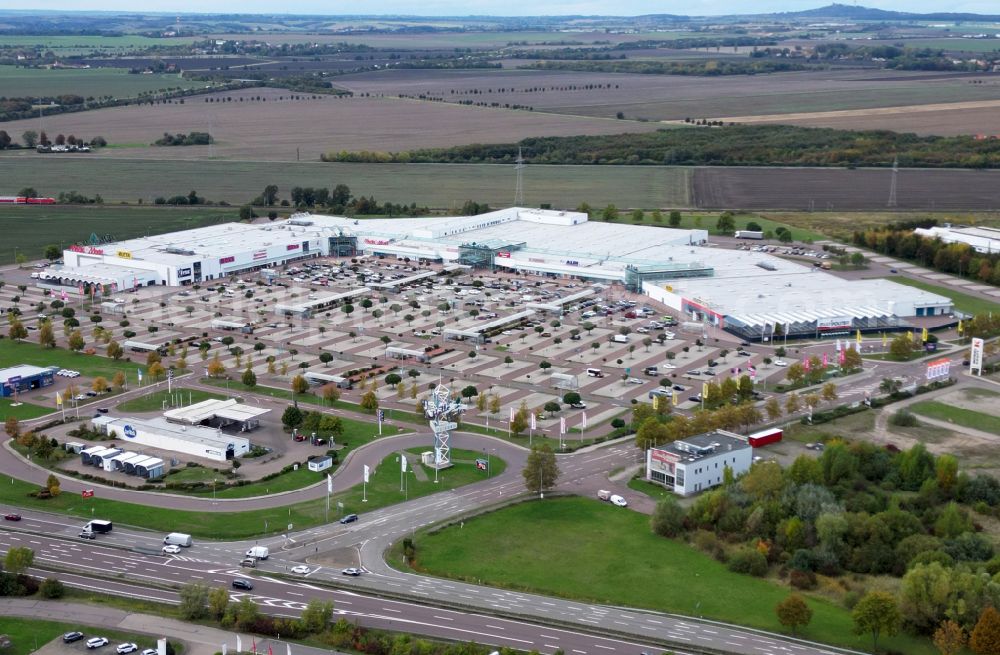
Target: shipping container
765 437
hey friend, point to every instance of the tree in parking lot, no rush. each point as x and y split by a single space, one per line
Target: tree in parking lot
218 602
541 471
331 394
118 381
571 398
796 373
588 326
773 408
469 392
393 379
544 365
369 401
647 341
194 601
520 422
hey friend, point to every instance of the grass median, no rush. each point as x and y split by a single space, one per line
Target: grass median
959 416
383 490
583 549
28 635
963 301
157 400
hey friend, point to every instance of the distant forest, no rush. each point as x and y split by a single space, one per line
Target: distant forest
731 145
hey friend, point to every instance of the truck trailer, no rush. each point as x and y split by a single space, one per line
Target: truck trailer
99 526
749 234
765 437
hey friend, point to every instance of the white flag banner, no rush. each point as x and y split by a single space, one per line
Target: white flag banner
329 483
562 425
584 423
534 424
367 473
402 463
289 647
239 644
225 649
511 414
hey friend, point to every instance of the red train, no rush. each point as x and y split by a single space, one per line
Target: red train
20 200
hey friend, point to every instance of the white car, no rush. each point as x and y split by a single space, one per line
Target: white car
780 362
636 381
172 549
97 642
668 366
301 569
125 648
670 336
619 501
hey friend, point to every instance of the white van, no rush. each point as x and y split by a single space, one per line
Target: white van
595 373
258 552
178 539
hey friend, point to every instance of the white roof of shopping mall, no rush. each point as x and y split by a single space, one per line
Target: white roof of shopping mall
982 239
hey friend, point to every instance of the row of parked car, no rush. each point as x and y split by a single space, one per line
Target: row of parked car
100 642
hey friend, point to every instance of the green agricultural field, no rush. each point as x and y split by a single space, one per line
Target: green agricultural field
702 220
28 229
963 302
959 416
92 82
444 186
28 635
88 43
383 490
585 549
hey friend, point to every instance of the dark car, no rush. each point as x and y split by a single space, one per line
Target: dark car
350 518
240 583
13 516
679 387
70 637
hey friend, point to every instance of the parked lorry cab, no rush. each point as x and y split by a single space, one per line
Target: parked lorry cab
259 552
595 373
604 494
99 526
178 539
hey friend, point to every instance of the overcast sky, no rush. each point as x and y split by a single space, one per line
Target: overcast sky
493 7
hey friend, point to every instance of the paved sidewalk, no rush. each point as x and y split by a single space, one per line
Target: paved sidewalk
198 639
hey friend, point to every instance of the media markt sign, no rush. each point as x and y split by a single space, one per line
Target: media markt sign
129 432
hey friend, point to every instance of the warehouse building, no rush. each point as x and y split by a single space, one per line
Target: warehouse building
984 240
18 379
160 433
753 294
694 464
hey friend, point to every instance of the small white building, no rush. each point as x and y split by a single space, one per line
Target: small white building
209 443
320 463
698 463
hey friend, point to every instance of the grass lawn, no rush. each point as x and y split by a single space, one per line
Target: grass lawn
705 220
13 353
963 302
957 415
154 401
654 491
31 228
23 412
28 635
382 491
582 548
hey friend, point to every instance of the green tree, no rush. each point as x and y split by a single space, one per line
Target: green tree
541 471
520 422
571 398
246 613
900 347
218 602
637 215
876 614
18 559
675 218
725 224
30 138
114 350
52 252
316 616
52 588
292 417
16 331
610 213
194 601
249 378
668 518
793 612
393 379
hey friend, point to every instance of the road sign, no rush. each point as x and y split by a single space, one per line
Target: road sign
976 357
87 493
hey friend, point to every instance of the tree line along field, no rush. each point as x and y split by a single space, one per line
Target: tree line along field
70 44
276 124
29 228
442 186
93 82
